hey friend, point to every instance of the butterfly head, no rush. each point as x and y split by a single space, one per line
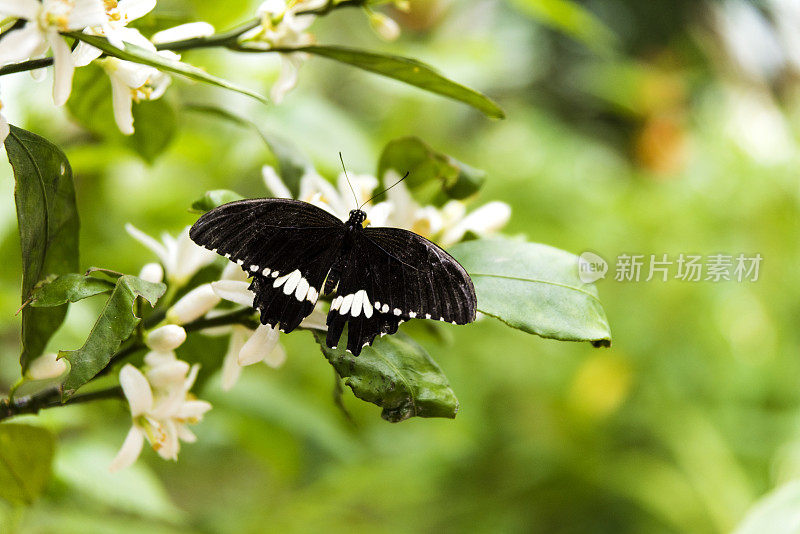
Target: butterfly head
357 218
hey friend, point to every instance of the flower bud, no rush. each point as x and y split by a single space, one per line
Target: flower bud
193 305
166 338
189 30
47 366
386 28
152 272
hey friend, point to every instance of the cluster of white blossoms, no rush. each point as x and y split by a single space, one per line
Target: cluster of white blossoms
283 24
446 225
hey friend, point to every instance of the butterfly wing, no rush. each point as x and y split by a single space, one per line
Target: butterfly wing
392 275
287 246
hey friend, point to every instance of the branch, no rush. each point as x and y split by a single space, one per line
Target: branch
50 398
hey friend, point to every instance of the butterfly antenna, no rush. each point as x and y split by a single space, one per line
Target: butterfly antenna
348 180
385 190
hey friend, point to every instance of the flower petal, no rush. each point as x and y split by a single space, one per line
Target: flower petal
290 63
130 450
21 44
166 338
152 272
133 9
84 54
190 30
123 115
64 68
168 376
233 271
151 243
193 410
260 344
234 291
4 129
47 366
23 9
193 305
277 357
155 358
137 390
230 365
274 183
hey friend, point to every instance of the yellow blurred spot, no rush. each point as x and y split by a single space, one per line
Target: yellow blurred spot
600 386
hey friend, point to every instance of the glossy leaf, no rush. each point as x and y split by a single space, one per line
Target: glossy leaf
433 177
534 288
70 287
145 57
26 458
154 122
48 226
395 373
292 162
571 18
410 71
214 198
115 324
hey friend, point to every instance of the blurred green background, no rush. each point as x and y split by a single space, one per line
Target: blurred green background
632 127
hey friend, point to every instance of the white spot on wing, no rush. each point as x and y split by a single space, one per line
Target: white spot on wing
312 295
266 271
292 282
427 315
412 314
346 303
385 308
254 268
358 301
368 310
302 290
397 311
336 303
279 281
239 262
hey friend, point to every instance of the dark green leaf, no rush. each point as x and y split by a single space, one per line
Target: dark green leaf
145 57
154 121
214 198
534 288
410 71
26 462
433 177
48 228
115 325
571 18
396 374
70 287
292 162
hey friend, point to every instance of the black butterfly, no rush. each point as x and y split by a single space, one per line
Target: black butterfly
382 276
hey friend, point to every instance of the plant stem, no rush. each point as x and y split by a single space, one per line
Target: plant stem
50 398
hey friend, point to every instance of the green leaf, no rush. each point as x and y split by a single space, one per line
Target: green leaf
396 374
26 458
433 177
146 57
292 162
534 288
70 287
777 513
155 122
48 228
571 18
214 198
115 325
410 71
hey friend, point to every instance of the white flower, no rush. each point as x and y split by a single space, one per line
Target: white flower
183 31
45 20
248 347
117 16
161 408
283 27
384 26
180 256
46 366
484 221
166 338
152 272
132 82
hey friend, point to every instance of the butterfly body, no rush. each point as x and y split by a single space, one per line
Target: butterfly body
295 251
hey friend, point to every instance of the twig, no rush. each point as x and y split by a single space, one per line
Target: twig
50 398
